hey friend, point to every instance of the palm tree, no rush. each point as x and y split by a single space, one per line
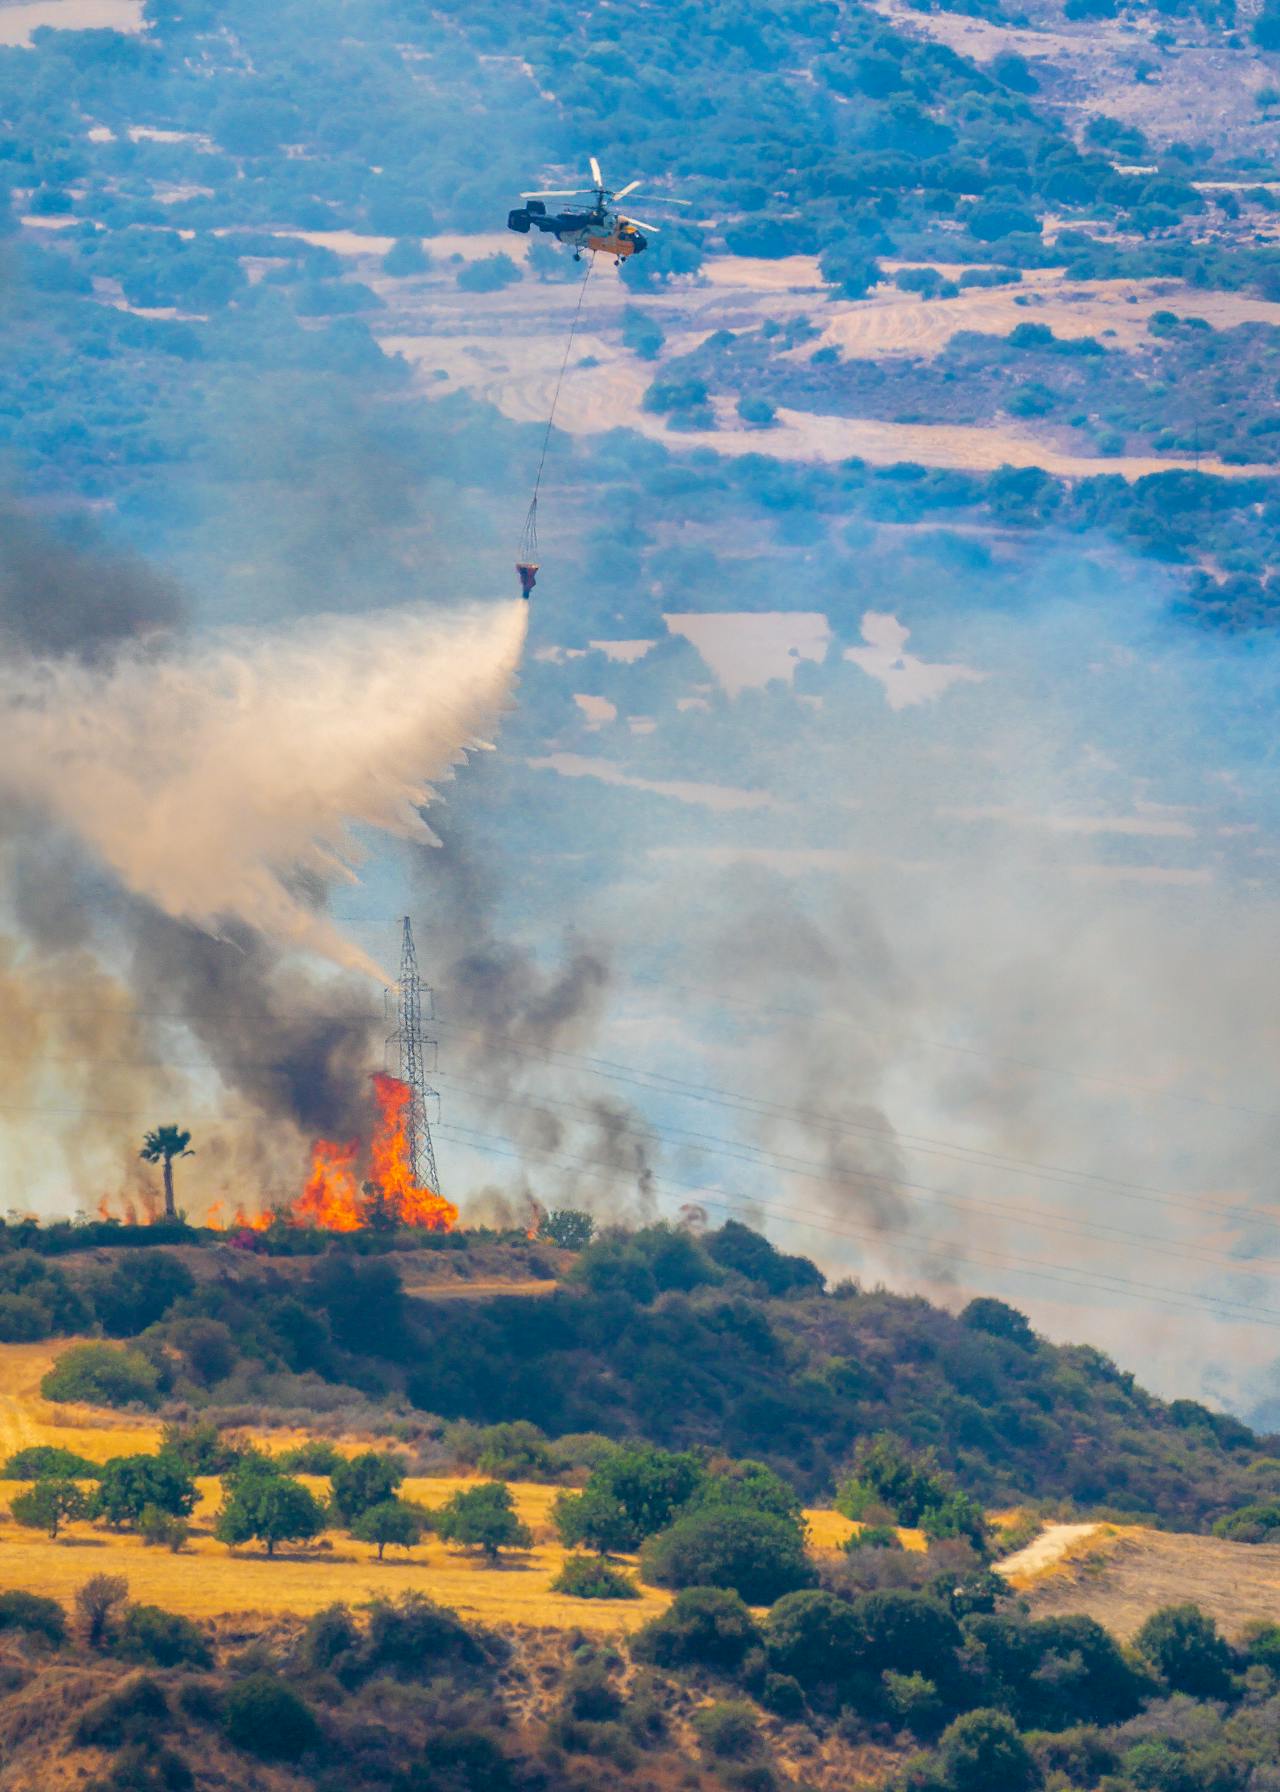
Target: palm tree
166 1143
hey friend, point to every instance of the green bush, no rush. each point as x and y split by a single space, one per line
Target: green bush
460 1761
103 1375
813 1637
162 1530
369 1479
34 1613
139 1291
394 1521
48 1504
161 1639
482 1517
22 1319
129 1484
757 1554
135 1710
981 1751
265 1718
41 1462
1258 1523
414 1637
872 1536
589 1577
568 1227
316 1457
702 1627
200 1448
1186 1651
261 1503
636 1491
728 1730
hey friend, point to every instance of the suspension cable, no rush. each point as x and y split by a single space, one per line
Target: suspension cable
529 535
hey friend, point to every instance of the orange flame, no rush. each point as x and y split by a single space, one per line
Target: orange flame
390 1169
331 1196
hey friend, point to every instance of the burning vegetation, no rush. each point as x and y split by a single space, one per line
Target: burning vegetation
336 1196
338 1200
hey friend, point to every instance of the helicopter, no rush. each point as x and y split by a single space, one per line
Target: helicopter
600 226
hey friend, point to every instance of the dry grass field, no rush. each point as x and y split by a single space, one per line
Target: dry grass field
206 1579
1121 1575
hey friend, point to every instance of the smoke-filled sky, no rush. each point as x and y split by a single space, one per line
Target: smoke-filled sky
933 932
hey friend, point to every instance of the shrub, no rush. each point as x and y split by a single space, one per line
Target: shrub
635 1492
96 1603
595 1519
369 1479
135 1709
998 1320
568 1227
514 1451
268 1506
48 1504
702 1627
814 1637
872 1536
983 1750
1186 1651
265 1718
484 1518
758 1554
750 1484
1259 1523
34 1613
415 1636
162 1530
200 1448
162 1639
22 1319
728 1730
588 1577
394 1521
103 1375
42 1462
139 1291
130 1484
316 1457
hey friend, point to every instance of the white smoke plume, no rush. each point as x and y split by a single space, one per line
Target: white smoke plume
212 777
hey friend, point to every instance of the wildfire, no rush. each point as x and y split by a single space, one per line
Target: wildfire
336 1198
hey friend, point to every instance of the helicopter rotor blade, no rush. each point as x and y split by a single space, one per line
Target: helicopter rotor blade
629 188
561 193
655 198
628 219
596 175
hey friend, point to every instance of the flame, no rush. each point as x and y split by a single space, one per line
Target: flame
331 1196
335 1199
390 1169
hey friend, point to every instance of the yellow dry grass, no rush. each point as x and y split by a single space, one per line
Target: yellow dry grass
206 1579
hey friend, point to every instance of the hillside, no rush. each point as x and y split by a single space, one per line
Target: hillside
725 1343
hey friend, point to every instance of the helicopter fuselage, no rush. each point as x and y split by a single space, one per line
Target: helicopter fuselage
597 229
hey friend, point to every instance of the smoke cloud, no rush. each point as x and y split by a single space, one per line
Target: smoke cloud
174 814
209 779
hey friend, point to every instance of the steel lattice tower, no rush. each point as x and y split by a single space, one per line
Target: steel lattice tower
411 1044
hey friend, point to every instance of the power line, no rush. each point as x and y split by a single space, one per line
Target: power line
1034 1267
791 1164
